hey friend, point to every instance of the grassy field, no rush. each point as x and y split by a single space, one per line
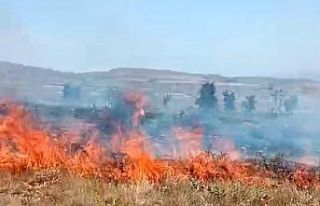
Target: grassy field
56 188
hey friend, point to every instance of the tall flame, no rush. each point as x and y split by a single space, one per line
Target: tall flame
127 157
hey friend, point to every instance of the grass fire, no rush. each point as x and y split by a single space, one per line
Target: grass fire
128 157
129 102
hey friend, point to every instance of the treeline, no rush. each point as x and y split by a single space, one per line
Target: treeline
280 100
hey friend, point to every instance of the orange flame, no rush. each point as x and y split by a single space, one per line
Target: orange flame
127 157
189 141
227 147
140 102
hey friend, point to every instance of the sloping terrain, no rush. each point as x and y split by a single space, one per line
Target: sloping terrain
45 85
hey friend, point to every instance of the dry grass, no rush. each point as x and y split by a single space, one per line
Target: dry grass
56 188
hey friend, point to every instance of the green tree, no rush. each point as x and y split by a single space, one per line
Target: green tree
71 92
166 98
249 105
291 103
207 97
278 96
229 99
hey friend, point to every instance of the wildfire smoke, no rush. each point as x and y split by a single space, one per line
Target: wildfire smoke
128 157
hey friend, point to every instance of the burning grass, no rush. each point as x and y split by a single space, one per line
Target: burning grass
26 147
127 165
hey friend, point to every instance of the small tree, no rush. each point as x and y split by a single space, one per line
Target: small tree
278 98
71 92
112 96
207 97
166 98
249 104
181 114
229 99
291 103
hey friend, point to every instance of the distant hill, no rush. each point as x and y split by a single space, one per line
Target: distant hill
39 84
12 71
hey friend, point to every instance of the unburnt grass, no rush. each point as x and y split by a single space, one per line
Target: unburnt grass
50 187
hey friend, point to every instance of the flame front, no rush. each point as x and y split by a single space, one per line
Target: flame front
127 157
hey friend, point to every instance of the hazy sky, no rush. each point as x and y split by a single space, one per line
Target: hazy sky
240 37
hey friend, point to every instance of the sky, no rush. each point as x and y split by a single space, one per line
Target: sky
233 38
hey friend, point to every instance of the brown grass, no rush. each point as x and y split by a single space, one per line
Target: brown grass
57 188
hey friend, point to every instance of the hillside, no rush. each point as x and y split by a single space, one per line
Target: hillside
45 85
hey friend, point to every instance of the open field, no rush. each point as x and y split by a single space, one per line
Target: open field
34 84
182 103
55 188
137 150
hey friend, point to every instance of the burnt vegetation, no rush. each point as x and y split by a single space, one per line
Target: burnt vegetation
191 151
